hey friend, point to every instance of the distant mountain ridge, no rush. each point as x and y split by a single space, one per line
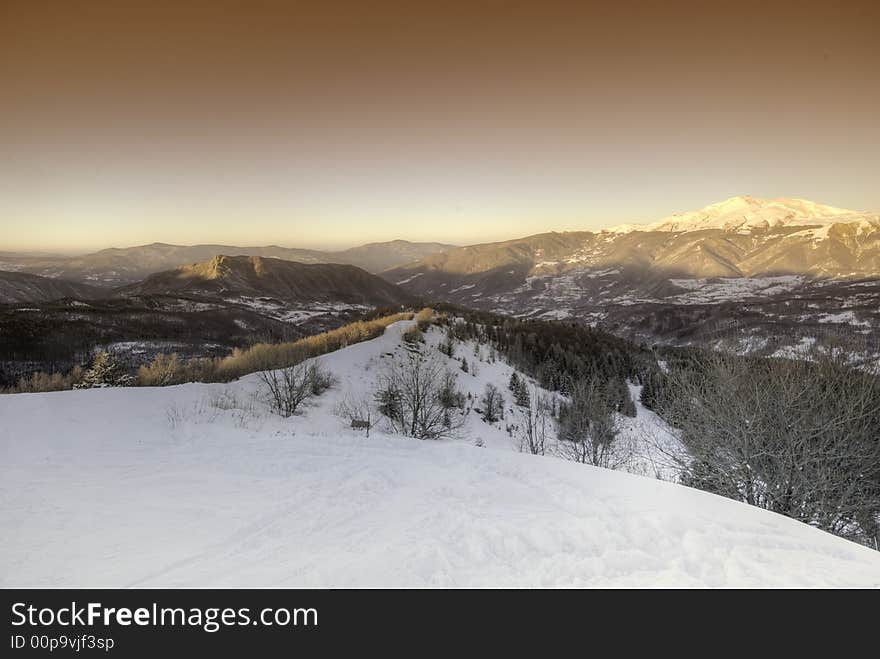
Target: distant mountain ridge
745 213
22 288
739 237
120 266
259 277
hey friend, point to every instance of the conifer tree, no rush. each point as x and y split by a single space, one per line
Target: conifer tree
513 385
521 394
106 371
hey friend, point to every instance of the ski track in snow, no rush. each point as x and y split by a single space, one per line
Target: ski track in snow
156 487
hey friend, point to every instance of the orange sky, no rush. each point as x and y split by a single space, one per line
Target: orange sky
329 123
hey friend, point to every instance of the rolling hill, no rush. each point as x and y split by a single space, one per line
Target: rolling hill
258 277
22 288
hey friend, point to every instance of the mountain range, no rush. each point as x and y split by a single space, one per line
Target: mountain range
765 275
739 237
121 266
745 213
759 275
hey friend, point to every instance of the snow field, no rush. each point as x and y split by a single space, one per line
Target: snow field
199 485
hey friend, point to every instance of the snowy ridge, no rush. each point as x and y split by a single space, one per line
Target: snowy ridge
198 485
744 214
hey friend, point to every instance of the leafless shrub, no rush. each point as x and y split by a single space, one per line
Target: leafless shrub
224 399
320 379
243 410
41 382
199 411
795 437
286 388
423 318
164 370
174 417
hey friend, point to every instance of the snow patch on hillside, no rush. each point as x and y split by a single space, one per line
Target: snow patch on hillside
703 291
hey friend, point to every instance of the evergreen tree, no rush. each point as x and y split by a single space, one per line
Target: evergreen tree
651 391
447 346
388 400
513 385
629 407
449 395
521 394
106 371
618 397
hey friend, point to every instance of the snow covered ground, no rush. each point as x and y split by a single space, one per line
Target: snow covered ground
727 289
198 485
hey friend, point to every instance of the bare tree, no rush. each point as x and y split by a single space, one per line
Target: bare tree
412 394
588 429
492 403
287 388
535 423
796 437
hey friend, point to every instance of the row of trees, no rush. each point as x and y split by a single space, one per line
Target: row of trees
555 354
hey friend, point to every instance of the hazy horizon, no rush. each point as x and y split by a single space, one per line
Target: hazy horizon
38 250
328 125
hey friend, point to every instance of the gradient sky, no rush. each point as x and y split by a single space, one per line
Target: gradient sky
330 124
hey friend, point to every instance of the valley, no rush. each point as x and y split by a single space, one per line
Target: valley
199 310
522 374
751 276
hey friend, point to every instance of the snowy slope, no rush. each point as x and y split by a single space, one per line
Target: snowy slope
197 485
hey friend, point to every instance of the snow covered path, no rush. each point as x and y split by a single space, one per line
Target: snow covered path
157 487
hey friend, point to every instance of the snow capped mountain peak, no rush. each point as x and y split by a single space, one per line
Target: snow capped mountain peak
741 202
746 213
